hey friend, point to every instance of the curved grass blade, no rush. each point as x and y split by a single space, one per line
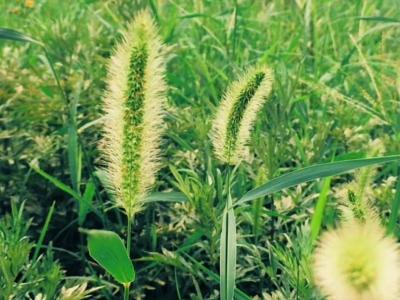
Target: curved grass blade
239 295
311 173
107 248
14 35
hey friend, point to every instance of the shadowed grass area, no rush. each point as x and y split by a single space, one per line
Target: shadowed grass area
335 95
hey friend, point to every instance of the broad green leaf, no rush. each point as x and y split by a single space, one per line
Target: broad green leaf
311 173
11 34
107 248
228 253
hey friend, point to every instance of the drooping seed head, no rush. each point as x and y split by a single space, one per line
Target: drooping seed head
237 112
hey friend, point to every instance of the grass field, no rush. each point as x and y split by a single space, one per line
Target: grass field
335 97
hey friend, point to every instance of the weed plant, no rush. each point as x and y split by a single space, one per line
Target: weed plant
335 96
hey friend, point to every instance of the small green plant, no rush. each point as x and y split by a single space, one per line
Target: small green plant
24 275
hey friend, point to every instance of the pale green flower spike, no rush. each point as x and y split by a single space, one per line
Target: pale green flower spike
134 104
358 262
237 112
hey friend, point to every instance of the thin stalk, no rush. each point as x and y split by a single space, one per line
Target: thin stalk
129 236
126 291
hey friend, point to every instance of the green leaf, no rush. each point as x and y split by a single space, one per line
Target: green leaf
165 197
394 214
316 220
11 34
311 173
43 233
239 295
56 182
228 253
107 248
86 203
379 19
74 149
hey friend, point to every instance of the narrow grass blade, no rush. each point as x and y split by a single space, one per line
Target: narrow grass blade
228 253
108 249
394 214
319 209
66 189
56 182
74 152
311 173
84 205
239 295
379 19
11 34
165 197
43 233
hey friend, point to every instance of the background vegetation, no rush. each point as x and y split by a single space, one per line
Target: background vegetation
335 96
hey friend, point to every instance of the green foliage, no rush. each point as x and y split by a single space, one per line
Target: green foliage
20 276
108 250
336 89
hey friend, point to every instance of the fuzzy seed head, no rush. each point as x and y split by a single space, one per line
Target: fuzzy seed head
237 112
358 262
134 103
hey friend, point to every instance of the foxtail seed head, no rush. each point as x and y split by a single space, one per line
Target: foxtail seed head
358 262
133 103
237 111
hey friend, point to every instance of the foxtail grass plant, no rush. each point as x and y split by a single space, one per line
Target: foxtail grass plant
134 104
230 131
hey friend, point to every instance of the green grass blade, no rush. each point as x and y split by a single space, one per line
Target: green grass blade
319 209
14 35
228 253
379 19
311 173
108 249
56 182
394 214
43 233
74 153
239 295
84 205
165 197
66 189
